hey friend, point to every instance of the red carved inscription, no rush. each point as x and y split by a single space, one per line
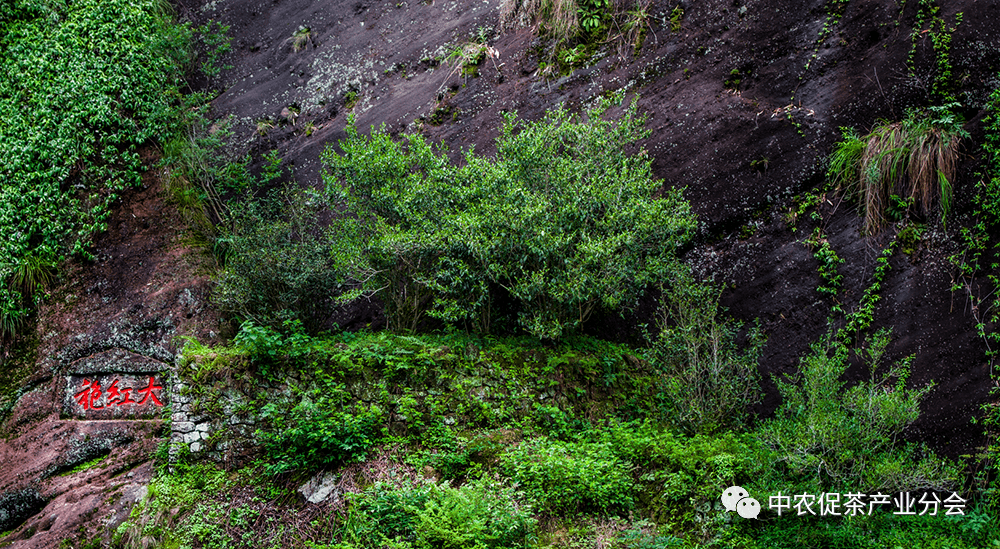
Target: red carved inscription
90 395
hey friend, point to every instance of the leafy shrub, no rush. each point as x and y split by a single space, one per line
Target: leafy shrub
709 381
680 477
319 434
481 513
267 346
384 511
914 158
75 113
847 436
562 220
572 477
200 173
280 268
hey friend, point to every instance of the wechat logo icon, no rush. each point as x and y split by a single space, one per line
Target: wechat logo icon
739 500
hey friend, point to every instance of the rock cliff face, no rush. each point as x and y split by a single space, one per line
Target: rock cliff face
745 100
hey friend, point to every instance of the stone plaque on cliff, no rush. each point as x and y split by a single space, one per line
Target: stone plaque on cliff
115 396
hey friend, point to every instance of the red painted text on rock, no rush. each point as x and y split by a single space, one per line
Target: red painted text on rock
90 395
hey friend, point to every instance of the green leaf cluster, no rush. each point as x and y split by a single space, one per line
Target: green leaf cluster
562 221
572 477
83 86
480 514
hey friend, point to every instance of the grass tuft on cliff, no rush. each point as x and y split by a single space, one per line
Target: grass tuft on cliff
914 159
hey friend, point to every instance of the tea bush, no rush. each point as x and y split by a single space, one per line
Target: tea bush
278 266
709 382
562 220
848 436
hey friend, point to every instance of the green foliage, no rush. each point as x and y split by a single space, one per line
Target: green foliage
979 245
562 219
977 267
859 320
26 276
266 345
574 56
576 28
85 466
556 19
675 18
879 531
467 57
834 9
200 175
909 238
803 203
709 382
279 266
732 81
846 437
157 519
217 44
350 99
481 514
592 13
570 459
318 434
572 477
828 265
929 24
83 85
633 29
914 158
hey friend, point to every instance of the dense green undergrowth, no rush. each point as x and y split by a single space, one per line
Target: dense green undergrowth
83 87
464 441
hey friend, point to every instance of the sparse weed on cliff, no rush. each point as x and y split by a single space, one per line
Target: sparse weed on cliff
301 38
582 26
465 58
